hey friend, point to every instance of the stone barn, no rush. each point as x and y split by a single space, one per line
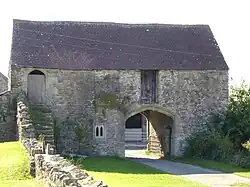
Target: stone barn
112 85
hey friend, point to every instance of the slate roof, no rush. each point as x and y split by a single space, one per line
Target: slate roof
93 45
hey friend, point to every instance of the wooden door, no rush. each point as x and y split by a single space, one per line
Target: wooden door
148 86
36 88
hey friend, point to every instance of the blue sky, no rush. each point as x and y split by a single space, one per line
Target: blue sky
228 19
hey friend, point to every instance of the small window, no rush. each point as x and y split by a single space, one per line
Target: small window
99 131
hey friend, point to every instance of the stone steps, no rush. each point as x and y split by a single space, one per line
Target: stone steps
44 125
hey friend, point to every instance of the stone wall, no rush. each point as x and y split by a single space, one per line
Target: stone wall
7 118
191 97
26 131
188 96
53 170
57 171
3 83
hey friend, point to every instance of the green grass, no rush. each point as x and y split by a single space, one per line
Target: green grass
227 168
14 166
117 172
240 185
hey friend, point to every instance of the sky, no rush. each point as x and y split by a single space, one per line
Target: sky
228 19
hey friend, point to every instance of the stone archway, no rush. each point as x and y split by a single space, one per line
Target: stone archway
163 127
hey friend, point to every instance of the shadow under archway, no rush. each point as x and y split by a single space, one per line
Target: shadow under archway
150 130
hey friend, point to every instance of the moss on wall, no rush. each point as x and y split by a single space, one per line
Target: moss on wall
111 101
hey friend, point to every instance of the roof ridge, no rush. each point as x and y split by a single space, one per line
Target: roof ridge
57 22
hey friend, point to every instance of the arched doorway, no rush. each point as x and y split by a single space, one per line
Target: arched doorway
159 127
36 87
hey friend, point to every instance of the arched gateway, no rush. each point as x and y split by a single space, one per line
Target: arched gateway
157 131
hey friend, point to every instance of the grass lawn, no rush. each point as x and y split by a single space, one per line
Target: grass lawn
14 166
227 168
117 172
241 185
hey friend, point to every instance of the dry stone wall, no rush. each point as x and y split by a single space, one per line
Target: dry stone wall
26 131
57 171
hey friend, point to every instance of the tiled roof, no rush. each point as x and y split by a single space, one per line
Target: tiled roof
3 77
93 45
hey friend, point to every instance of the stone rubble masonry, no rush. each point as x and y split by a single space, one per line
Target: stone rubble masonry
57 171
3 83
53 170
187 96
26 131
7 118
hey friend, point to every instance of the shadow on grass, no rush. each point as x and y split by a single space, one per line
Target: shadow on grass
114 165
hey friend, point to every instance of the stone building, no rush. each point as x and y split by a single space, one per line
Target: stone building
3 83
7 115
95 77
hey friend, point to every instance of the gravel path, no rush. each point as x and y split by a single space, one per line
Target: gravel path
204 176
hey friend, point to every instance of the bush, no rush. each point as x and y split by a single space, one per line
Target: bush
237 121
247 145
241 159
208 144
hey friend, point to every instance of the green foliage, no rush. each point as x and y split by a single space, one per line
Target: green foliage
235 122
227 135
247 145
208 144
38 117
79 133
111 101
241 158
237 119
108 99
37 113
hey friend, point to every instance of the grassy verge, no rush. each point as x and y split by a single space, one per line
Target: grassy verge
241 185
119 172
227 168
14 166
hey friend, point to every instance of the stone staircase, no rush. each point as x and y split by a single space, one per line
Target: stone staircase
43 124
45 128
